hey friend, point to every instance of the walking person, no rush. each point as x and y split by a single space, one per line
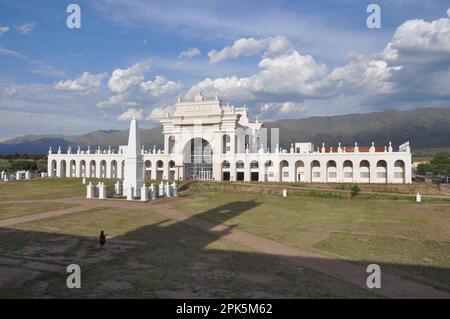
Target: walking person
102 239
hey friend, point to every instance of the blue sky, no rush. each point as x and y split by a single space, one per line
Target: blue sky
282 59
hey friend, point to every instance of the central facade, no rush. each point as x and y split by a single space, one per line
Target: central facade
207 140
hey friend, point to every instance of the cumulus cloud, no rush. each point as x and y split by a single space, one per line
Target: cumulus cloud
419 41
122 79
413 69
292 73
130 114
251 47
159 112
3 30
86 82
143 94
160 87
26 28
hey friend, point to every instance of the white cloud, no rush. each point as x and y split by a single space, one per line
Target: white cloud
189 54
123 100
130 114
419 41
292 73
159 112
39 67
286 107
26 28
414 68
161 87
84 83
251 47
122 79
3 30
448 12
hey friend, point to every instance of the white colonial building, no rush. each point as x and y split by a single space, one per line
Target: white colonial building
206 140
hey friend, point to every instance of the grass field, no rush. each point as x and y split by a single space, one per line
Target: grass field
410 239
8 211
151 255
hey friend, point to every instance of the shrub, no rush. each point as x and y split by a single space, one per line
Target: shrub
355 190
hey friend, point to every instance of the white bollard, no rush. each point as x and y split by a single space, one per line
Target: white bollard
84 180
144 194
418 198
90 191
118 188
174 190
102 191
130 191
152 192
285 192
161 190
167 190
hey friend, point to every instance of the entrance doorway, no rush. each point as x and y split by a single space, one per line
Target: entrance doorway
198 161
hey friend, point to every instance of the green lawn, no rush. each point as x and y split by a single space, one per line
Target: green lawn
410 239
150 256
46 188
8 211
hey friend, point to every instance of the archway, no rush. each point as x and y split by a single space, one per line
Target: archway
381 171
103 169
399 171
148 169
348 171
114 169
198 160
171 170
226 144
300 171
331 172
226 170
53 169
240 171
268 171
159 170
315 171
254 171
62 168
284 171
73 169
82 168
92 169
364 172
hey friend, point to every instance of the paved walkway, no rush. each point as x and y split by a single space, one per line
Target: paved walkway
392 286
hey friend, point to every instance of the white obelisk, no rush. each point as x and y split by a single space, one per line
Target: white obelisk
134 162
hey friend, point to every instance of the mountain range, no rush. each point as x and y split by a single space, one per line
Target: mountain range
424 128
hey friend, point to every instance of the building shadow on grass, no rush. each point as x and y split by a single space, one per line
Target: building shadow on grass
188 260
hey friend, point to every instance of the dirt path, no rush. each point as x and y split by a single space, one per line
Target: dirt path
392 286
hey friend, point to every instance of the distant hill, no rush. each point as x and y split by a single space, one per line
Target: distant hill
424 128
